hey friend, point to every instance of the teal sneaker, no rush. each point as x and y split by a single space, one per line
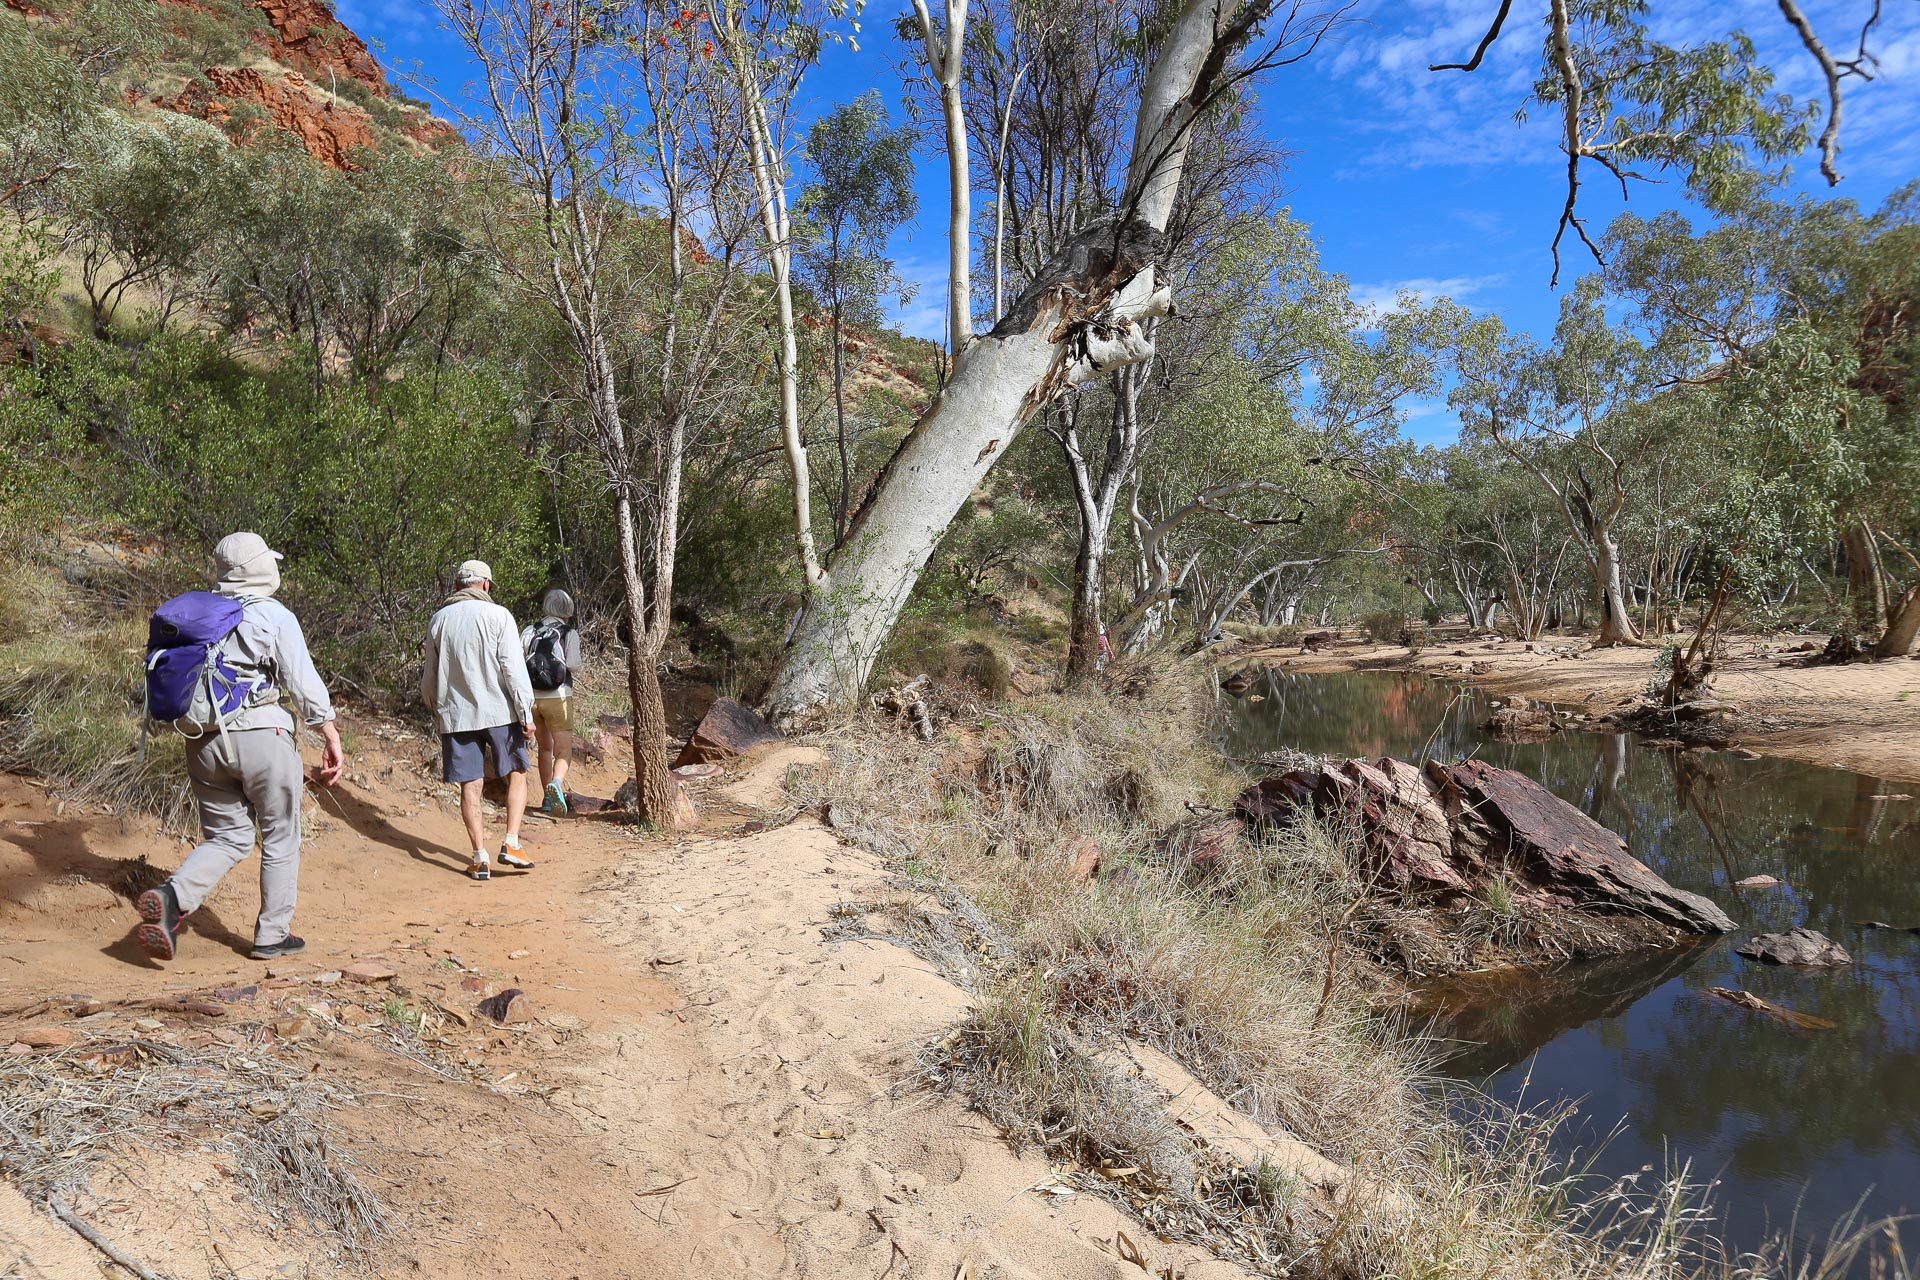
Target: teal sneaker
556 801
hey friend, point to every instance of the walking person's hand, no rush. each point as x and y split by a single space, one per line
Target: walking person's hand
332 758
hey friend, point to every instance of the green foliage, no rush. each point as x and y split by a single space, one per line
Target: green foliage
1709 109
177 437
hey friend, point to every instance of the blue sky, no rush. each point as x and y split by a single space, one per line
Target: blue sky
1410 178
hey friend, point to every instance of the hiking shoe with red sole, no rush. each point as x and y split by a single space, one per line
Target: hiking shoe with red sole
159 936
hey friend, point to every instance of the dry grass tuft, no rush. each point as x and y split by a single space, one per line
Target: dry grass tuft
1225 969
62 1115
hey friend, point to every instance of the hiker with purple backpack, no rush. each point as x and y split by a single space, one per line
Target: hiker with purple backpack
217 663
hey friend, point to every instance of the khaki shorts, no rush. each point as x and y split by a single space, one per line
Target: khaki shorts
555 715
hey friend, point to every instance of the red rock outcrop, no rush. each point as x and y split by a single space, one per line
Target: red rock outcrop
308 38
729 729
330 130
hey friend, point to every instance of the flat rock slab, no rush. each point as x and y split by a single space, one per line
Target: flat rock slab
1561 848
369 971
1795 946
729 729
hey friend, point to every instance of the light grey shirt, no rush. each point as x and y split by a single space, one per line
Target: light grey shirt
569 653
269 640
476 673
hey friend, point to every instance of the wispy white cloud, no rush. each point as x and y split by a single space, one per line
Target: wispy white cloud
1385 296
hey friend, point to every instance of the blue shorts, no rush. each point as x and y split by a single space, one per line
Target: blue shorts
463 756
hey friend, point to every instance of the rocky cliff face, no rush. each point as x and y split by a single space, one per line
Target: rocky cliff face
311 40
329 129
314 78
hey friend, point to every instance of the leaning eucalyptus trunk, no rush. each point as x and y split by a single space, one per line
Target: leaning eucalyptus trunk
1081 316
1902 628
1078 320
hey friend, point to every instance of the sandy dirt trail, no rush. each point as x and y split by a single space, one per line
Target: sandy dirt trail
1862 716
710 1087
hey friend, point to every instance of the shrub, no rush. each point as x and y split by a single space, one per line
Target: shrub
373 504
1384 627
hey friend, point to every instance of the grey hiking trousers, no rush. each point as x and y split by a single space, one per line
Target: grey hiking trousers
259 780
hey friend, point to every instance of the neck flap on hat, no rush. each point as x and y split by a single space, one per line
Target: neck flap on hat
257 577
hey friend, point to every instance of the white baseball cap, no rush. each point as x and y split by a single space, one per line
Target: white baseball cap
473 571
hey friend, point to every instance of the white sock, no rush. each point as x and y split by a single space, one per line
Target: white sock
479 855
513 842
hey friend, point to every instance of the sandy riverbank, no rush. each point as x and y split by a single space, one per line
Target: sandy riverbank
1863 717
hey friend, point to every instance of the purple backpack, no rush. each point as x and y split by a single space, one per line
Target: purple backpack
191 684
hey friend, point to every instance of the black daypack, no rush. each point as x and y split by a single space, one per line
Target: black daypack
546 665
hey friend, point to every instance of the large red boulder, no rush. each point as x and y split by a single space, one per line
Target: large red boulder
729 729
1456 829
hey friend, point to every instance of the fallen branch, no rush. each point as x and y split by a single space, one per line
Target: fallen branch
86 1231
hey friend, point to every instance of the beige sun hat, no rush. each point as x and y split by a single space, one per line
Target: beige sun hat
243 564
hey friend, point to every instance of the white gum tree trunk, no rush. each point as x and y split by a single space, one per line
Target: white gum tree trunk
1080 318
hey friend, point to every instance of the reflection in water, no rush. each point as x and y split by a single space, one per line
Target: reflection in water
1786 1119
1500 1018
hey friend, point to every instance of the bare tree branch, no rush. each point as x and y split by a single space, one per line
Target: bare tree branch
1571 87
1486 42
1834 73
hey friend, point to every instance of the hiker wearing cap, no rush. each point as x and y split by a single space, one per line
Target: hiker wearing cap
552 646
243 761
476 682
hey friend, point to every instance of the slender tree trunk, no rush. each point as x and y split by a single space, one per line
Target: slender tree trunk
1866 583
656 798
1083 635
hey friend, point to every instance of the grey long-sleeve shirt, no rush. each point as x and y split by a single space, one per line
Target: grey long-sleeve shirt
269 640
476 674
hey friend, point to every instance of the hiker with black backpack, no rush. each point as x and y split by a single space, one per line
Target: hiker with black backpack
552 647
217 663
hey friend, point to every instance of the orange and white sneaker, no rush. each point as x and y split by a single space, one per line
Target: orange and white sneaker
515 858
478 870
